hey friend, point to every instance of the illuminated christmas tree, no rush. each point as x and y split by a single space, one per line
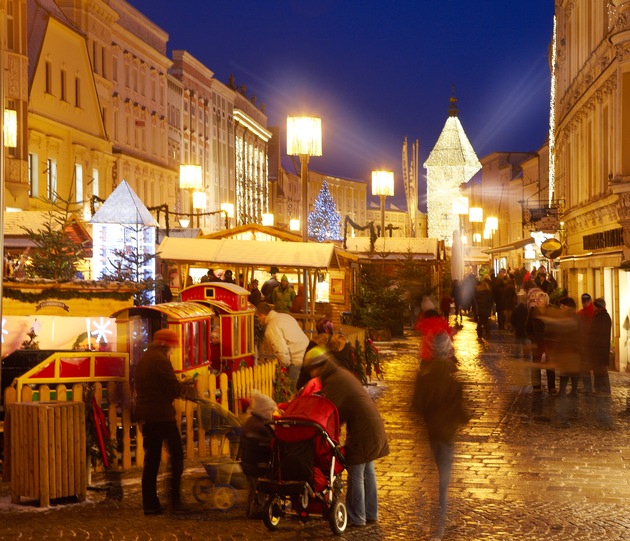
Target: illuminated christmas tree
324 223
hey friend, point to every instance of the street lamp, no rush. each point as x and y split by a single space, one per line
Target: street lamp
382 185
304 139
191 180
267 219
199 204
228 209
475 216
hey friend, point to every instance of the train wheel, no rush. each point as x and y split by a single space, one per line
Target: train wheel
224 497
203 491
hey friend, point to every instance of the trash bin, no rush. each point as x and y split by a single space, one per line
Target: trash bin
48 452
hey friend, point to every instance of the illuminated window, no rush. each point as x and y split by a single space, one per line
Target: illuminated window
51 179
32 175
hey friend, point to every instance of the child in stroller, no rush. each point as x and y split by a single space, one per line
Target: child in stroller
306 464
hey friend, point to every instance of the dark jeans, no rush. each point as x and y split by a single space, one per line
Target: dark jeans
482 324
154 433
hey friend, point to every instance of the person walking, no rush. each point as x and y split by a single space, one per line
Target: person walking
366 440
483 302
438 397
284 338
156 387
535 326
283 296
586 319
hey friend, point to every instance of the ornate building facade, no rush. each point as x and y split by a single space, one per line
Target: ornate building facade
591 153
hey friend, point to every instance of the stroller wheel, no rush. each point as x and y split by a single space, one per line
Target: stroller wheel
338 517
203 491
224 497
272 513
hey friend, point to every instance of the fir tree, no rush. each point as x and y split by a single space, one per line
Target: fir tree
130 264
324 223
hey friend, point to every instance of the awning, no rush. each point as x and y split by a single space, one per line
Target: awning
203 252
516 245
592 260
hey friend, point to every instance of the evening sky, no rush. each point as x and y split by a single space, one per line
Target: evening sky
377 71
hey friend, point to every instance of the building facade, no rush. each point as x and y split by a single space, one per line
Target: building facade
590 61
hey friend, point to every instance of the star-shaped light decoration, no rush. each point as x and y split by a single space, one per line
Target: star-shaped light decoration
102 330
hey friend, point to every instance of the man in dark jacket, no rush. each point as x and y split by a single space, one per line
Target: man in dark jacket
270 285
366 439
156 388
599 346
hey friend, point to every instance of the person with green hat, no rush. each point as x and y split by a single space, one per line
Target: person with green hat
283 296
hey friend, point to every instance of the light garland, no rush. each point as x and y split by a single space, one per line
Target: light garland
452 162
552 118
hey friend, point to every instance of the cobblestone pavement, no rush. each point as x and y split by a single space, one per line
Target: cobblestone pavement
516 475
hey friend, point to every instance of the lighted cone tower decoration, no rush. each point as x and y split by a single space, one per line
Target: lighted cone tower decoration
452 162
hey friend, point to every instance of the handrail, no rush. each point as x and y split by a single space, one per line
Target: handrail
77 366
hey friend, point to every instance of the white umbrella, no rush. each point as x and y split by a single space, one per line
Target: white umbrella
457 257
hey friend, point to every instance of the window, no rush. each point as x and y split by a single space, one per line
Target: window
77 92
32 176
94 57
51 179
64 95
48 77
10 26
95 182
114 68
78 182
103 62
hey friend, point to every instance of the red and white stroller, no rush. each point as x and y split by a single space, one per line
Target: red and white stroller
306 465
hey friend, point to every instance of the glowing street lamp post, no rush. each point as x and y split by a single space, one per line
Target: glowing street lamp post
383 186
191 180
304 139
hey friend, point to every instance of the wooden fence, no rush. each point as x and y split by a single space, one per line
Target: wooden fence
115 398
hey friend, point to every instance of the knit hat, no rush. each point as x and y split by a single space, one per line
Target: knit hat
599 303
585 297
315 357
324 326
166 337
284 278
262 405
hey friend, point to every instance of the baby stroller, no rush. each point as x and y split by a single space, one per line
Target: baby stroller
218 489
305 466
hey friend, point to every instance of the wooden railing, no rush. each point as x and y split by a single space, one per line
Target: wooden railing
115 398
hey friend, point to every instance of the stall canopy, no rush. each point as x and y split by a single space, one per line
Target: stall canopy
394 248
516 245
202 252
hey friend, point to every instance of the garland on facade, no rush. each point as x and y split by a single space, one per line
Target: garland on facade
64 294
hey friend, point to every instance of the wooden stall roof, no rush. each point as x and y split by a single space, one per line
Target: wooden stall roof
174 310
203 252
394 248
255 232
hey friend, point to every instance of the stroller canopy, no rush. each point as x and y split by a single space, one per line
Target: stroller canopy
312 409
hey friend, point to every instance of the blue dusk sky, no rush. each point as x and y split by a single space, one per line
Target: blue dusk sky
377 71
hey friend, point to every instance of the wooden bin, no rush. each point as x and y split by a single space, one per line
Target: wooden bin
48 453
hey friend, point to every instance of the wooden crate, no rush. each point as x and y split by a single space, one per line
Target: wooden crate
48 453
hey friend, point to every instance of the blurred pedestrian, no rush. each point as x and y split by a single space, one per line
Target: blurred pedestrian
438 397
538 301
366 439
562 337
509 301
429 324
255 447
229 277
518 322
586 319
156 387
498 291
483 303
